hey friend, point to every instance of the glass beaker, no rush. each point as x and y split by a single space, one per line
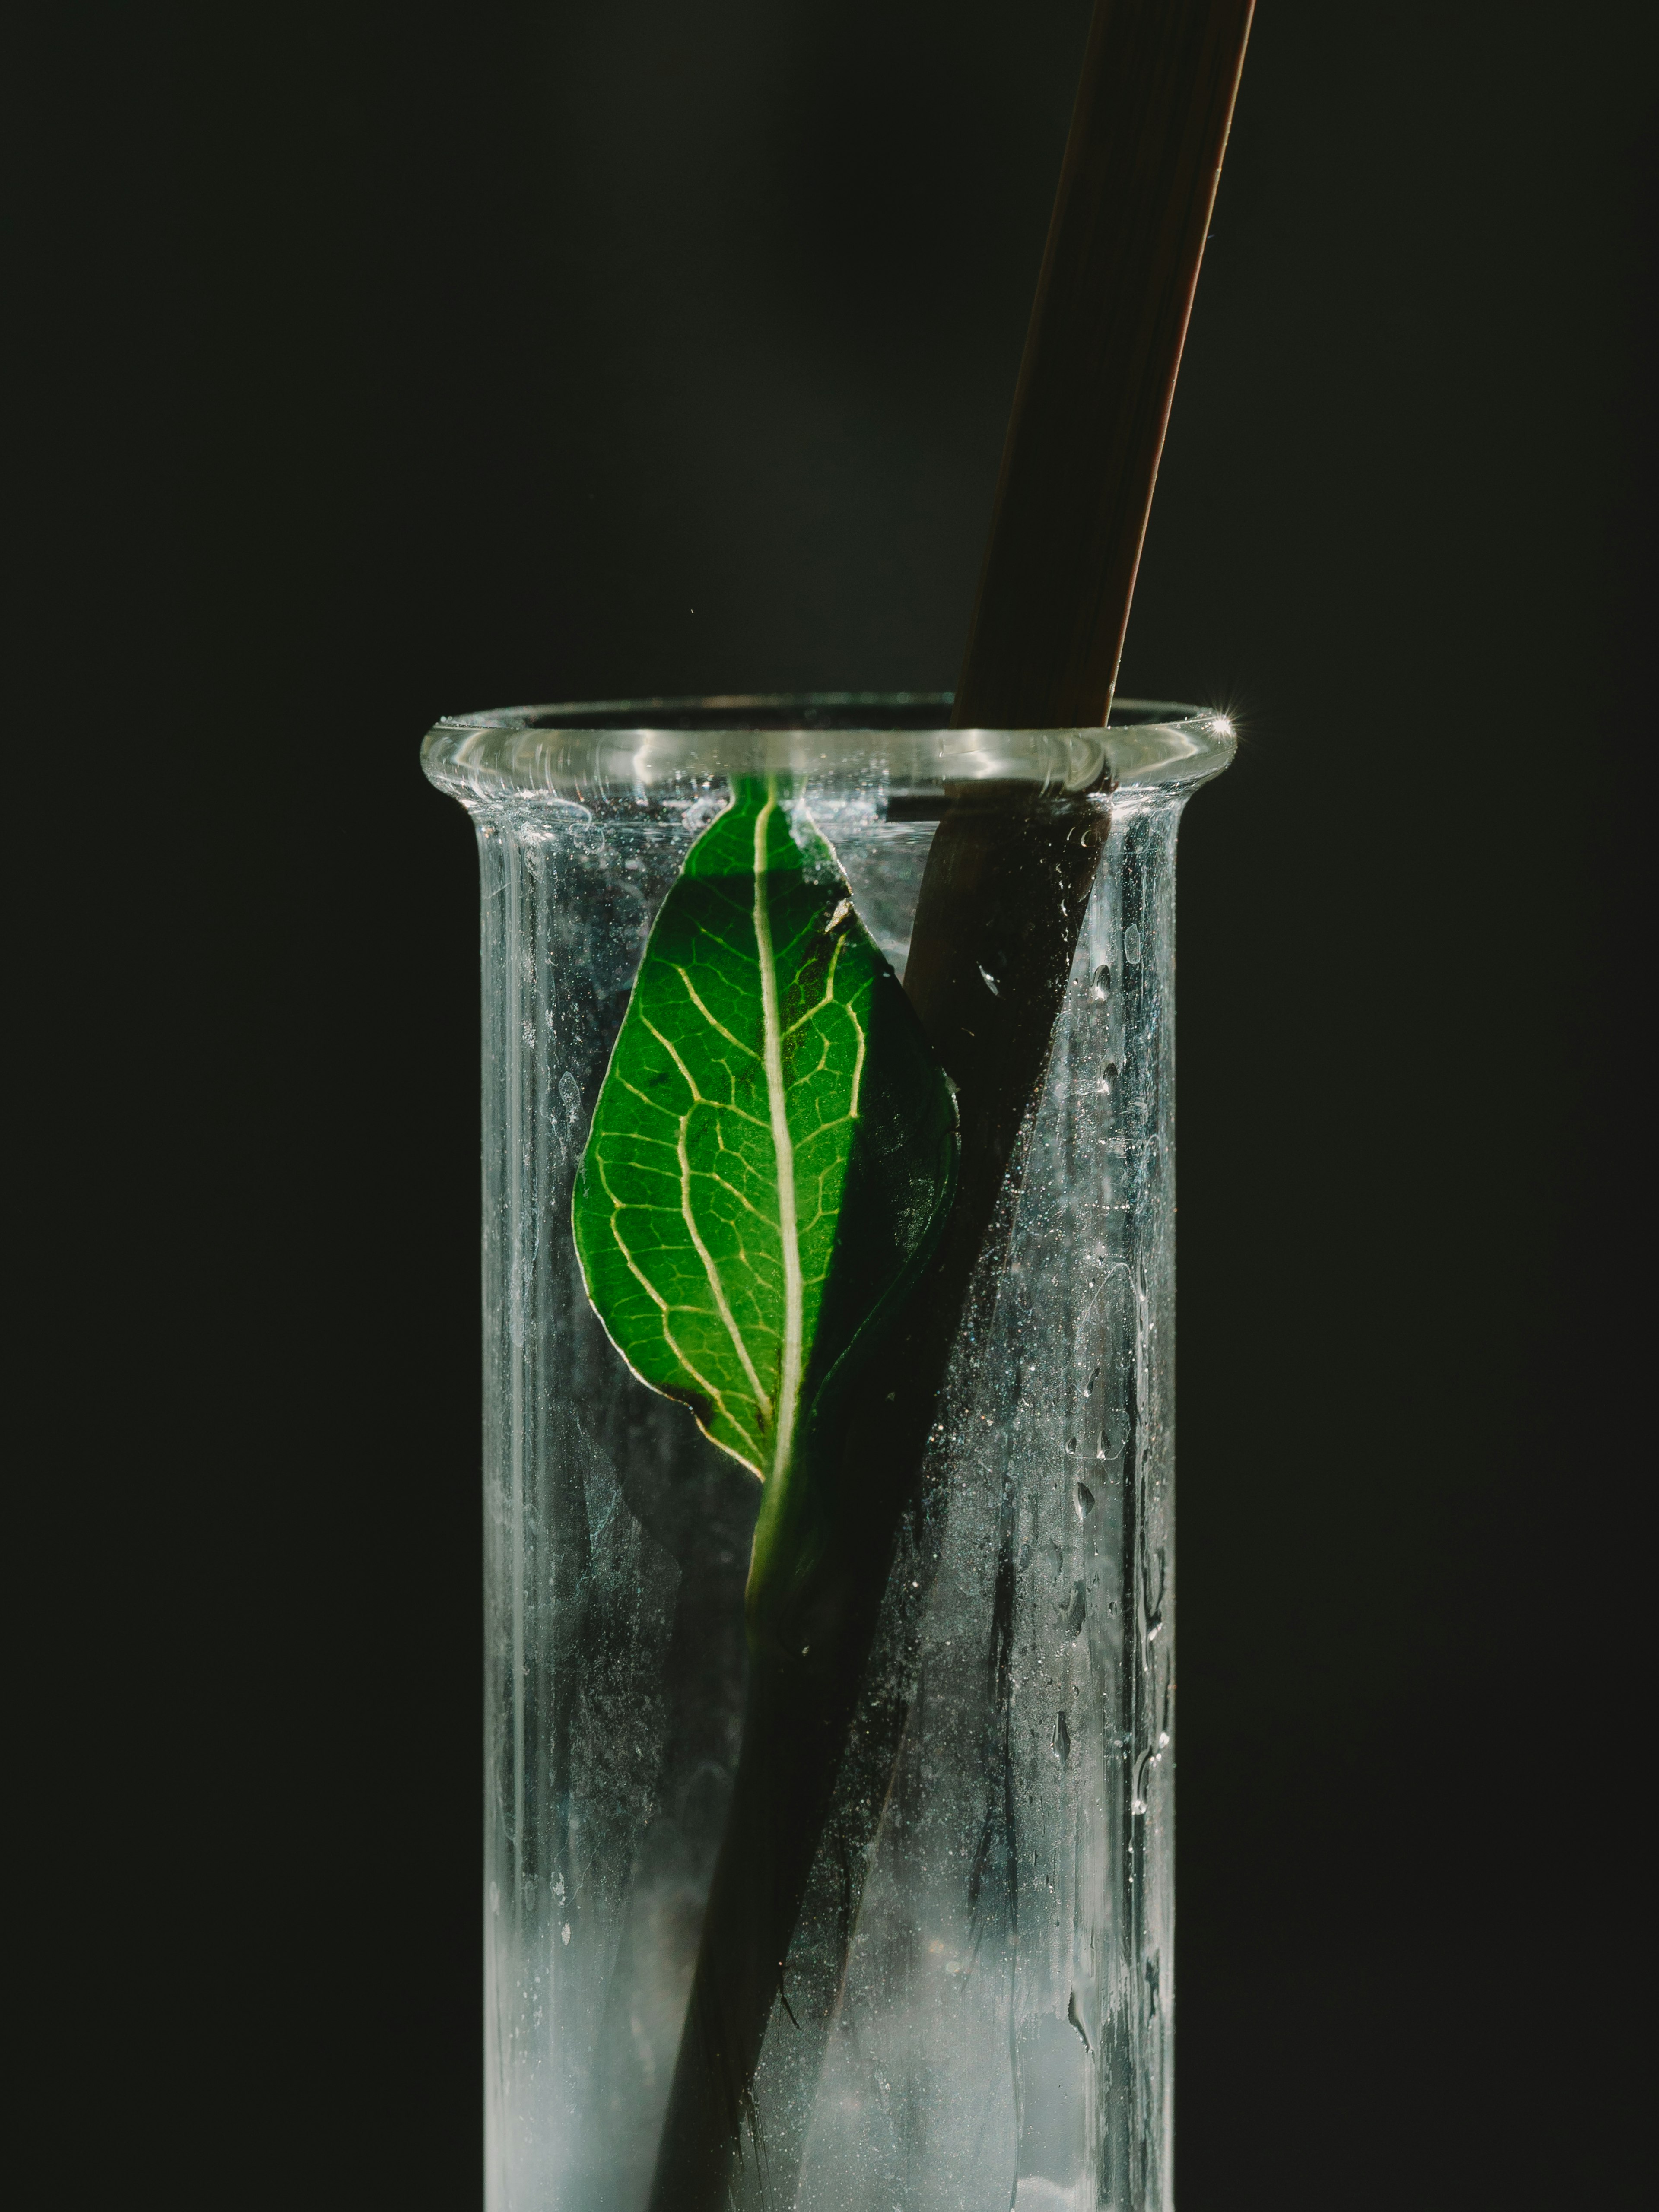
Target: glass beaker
973 2007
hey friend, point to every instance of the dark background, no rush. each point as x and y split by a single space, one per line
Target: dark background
432 358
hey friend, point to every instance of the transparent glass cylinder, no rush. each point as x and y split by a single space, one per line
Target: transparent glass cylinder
974 2008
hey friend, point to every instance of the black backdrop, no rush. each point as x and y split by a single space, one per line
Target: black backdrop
447 356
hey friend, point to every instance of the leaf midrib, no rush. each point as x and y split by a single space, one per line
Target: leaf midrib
782 1146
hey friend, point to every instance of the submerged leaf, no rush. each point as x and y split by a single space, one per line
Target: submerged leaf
772 1152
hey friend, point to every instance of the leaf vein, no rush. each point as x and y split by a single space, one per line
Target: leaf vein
719 1026
717 1289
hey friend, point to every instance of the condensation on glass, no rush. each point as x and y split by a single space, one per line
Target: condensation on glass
975 2012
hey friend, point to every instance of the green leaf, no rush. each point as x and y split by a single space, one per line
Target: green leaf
772 1154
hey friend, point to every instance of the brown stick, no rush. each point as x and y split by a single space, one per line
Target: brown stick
804 1686
1136 191
1006 883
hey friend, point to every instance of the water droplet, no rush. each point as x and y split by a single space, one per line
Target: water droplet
1132 946
1101 987
1086 1501
1062 1739
564 1933
991 983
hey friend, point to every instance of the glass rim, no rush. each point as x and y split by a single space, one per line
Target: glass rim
639 748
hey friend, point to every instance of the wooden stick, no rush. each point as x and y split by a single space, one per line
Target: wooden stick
804 1688
1136 189
1007 880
